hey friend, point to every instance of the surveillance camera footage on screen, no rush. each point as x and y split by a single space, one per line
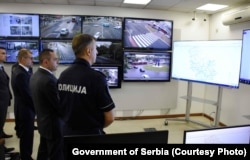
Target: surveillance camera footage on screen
147 34
59 26
146 66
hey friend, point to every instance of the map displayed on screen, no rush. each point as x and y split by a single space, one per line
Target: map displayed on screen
214 62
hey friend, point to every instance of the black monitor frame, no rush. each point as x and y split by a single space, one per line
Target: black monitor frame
154 137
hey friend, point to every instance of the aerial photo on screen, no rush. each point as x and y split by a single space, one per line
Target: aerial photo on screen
145 66
59 26
152 34
103 27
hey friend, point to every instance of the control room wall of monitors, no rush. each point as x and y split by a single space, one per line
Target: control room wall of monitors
13 46
63 49
239 134
103 27
245 61
60 26
19 25
113 74
147 34
211 62
147 66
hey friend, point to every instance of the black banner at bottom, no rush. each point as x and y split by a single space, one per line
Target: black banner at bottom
158 151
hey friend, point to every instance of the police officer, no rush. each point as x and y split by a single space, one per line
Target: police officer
84 92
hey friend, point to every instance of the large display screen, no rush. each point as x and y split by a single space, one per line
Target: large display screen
109 52
63 49
146 66
147 34
19 25
245 60
211 62
113 74
223 135
13 47
60 26
103 27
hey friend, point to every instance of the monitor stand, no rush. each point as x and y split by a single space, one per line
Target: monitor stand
189 98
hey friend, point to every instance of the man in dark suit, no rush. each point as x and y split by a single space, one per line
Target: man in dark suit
24 110
44 91
5 96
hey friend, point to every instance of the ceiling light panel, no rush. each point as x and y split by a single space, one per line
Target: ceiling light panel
142 2
211 7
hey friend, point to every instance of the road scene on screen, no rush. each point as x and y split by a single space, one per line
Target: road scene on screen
59 26
103 27
145 66
147 34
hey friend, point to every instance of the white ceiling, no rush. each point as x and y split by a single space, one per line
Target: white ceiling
167 5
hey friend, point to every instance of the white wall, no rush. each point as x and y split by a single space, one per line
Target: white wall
235 102
156 98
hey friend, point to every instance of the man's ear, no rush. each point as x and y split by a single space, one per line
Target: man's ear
88 51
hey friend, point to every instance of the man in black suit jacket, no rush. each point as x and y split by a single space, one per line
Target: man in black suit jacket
24 110
44 91
5 94
5 97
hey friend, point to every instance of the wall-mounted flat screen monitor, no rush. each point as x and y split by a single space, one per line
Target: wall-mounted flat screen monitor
212 62
60 26
113 74
63 49
13 47
109 52
239 134
147 34
245 60
19 25
103 27
146 66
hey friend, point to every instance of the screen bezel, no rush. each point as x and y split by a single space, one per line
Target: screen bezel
119 73
36 16
144 78
103 26
126 19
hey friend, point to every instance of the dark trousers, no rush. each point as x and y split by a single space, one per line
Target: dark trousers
26 135
50 149
3 114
